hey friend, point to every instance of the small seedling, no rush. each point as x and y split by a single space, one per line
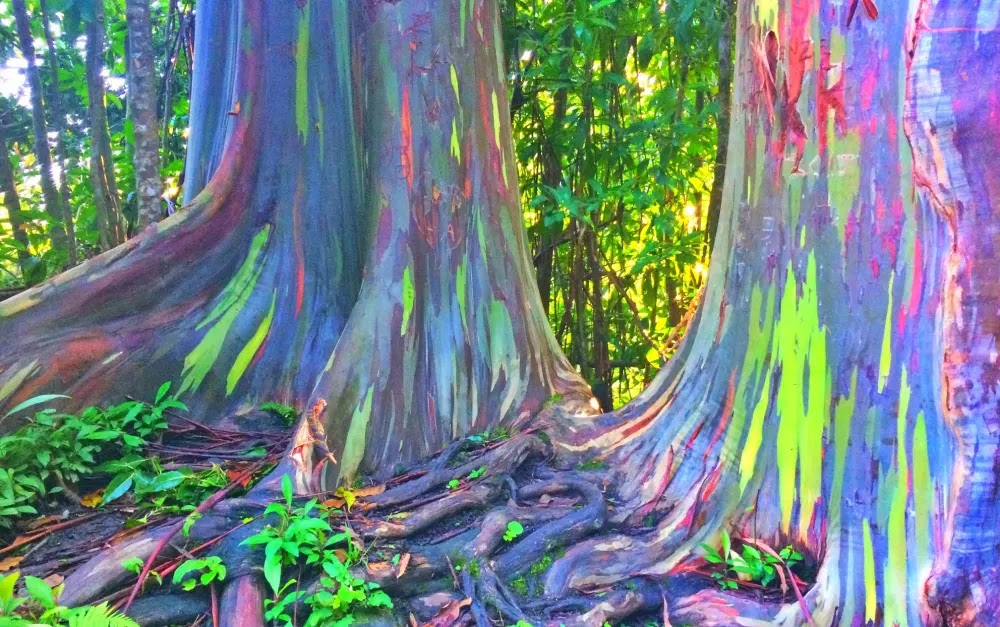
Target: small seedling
135 564
286 412
514 529
206 571
750 564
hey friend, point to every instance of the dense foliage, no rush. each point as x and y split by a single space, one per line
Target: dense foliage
615 108
66 20
615 104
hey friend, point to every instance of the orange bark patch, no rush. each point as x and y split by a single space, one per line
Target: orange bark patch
406 156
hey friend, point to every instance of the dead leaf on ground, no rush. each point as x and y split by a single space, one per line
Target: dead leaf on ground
403 563
334 503
54 580
374 490
9 563
448 614
93 499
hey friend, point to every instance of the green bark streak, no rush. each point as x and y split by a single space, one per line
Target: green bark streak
15 381
895 567
885 363
302 76
871 603
460 279
246 355
236 294
409 292
354 445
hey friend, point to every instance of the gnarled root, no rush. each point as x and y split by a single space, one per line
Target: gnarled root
465 558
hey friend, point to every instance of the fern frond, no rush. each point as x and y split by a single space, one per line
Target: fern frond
98 616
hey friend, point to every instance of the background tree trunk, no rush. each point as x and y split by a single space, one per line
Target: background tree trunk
111 223
39 127
12 203
142 108
58 125
724 101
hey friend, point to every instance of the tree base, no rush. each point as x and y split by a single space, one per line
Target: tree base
462 565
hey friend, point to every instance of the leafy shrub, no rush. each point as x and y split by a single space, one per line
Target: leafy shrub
749 563
303 537
55 449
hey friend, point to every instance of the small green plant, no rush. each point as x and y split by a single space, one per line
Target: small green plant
205 570
477 473
453 484
302 537
135 564
514 530
495 434
41 607
591 464
160 491
749 564
286 412
54 450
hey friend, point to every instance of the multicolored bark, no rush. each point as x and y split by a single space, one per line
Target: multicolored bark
358 239
838 390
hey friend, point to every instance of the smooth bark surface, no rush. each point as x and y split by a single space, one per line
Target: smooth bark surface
360 194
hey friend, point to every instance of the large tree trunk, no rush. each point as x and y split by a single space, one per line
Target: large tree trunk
361 195
50 194
142 108
838 390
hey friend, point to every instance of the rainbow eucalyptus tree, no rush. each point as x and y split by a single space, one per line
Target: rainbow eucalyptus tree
356 240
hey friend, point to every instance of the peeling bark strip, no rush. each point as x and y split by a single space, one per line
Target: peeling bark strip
359 241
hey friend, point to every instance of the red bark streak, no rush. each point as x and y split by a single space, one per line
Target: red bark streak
694 435
830 98
727 413
300 268
870 8
406 156
712 483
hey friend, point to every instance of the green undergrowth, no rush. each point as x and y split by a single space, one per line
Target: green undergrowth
53 450
749 563
302 540
39 605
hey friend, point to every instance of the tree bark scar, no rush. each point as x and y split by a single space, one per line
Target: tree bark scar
870 8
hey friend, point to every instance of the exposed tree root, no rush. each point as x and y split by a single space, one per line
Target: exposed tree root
452 520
